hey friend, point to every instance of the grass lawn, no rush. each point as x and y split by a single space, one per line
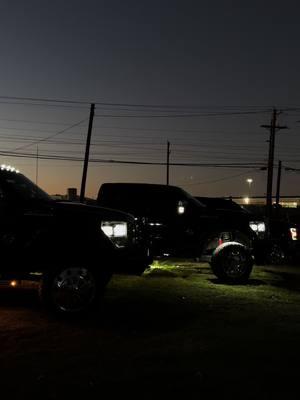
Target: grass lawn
174 332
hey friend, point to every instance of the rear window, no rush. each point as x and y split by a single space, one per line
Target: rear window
133 199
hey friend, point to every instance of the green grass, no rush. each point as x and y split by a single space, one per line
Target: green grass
174 332
230 340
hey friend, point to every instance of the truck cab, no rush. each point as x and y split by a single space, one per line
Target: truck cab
176 223
71 249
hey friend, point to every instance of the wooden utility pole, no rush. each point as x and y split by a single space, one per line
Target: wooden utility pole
87 153
273 128
168 161
37 166
278 183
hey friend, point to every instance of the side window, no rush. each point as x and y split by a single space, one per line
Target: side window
164 204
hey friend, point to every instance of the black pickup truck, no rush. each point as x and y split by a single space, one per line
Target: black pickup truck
280 242
71 249
179 225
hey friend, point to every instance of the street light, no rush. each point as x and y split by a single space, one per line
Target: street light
249 181
246 200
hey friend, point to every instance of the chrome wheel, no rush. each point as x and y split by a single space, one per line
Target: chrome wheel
73 289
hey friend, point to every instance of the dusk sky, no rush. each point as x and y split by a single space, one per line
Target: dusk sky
203 75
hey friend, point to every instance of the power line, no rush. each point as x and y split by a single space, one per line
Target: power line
55 157
156 130
12 128
51 136
141 105
220 179
46 100
14 103
290 169
197 115
159 130
124 150
28 121
49 102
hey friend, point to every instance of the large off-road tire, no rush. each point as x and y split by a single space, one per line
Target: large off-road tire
275 255
232 262
72 289
272 254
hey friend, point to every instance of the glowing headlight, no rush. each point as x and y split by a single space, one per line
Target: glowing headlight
114 229
253 226
258 226
261 227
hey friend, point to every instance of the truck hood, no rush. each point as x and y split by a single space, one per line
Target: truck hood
65 208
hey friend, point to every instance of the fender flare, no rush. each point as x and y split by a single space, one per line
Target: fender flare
226 244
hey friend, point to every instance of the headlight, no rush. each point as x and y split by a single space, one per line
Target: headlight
114 229
257 226
294 233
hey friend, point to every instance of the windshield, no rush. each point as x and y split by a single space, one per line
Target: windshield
218 203
20 186
192 199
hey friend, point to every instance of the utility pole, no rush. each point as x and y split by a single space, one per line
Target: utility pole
273 128
168 161
87 153
37 166
278 183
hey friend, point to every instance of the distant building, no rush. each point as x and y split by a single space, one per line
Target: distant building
72 194
58 196
286 202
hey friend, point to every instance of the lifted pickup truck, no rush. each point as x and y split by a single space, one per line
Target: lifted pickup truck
280 244
179 225
71 249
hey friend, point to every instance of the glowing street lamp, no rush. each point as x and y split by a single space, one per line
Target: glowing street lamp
246 200
249 181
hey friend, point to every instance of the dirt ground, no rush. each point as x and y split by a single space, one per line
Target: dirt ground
174 332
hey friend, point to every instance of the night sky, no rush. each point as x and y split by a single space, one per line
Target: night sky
203 75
